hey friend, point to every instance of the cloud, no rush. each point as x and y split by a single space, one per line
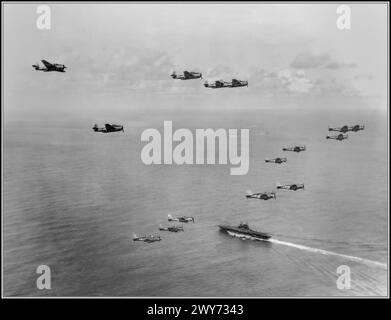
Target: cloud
283 81
334 87
311 61
127 67
220 72
336 65
295 81
308 60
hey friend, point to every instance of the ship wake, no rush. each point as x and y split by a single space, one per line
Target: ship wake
244 236
367 262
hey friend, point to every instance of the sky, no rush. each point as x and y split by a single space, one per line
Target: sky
122 55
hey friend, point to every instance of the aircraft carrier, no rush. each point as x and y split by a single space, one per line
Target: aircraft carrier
243 231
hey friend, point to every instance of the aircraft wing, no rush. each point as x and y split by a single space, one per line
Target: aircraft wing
47 64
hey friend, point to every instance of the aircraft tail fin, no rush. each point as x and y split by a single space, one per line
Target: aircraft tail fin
135 236
169 217
46 64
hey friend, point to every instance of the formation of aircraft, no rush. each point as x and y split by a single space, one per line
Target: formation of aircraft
276 160
226 84
293 187
187 75
343 130
108 128
262 195
180 219
49 67
174 228
279 160
294 148
338 137
346 128
147 239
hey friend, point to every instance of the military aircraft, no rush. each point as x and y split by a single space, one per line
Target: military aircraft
356 128
187 75
108 128
217 84
238 83
294 149
342 129
338 137
262 195
293 187
224 84
174 228
49 67
148 239
276 160
180 219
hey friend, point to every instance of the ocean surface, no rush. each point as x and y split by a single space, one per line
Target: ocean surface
74 198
